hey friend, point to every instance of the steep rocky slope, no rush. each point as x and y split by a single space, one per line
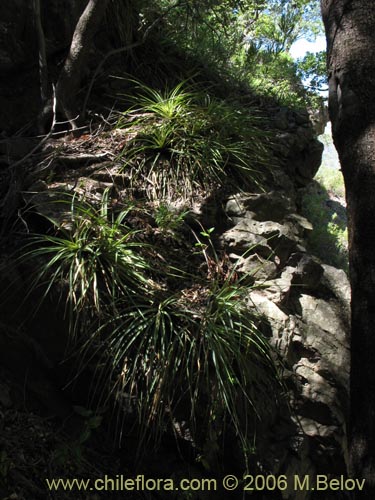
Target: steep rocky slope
303 305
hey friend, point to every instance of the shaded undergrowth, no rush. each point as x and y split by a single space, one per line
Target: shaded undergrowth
163 345
323 205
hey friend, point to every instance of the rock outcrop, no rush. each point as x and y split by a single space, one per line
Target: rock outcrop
296 145
305 306
303 303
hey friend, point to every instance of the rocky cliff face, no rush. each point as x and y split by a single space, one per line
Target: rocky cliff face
305 306
303 303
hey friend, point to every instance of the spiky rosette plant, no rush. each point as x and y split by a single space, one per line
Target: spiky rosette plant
183 140
92 256
195 356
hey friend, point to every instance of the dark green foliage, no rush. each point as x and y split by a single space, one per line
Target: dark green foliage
168 219
196 356
248 41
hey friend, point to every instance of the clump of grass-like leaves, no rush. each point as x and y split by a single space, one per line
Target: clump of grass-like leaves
92 257
184 140
194 355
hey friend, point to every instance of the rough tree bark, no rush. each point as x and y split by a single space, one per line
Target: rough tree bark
350 31
70 77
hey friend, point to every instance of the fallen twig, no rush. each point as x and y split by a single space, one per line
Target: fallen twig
83 158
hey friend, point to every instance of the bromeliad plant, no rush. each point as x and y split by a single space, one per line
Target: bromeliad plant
194 355
183 140
93 257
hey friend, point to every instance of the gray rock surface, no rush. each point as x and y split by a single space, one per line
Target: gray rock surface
305 309
303 304
296 145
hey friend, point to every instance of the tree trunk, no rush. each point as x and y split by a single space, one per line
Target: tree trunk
71 74
350 31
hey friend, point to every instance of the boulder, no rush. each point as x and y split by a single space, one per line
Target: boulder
296 146
261 206
255 266
307 272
